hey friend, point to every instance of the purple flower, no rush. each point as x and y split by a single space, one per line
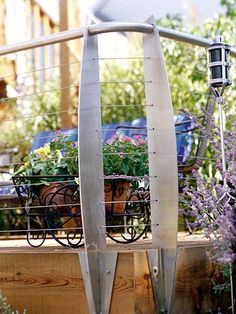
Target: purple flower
213 203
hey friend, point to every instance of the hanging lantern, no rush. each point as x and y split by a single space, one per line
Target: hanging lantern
218 64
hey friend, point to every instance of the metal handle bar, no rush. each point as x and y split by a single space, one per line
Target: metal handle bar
105 28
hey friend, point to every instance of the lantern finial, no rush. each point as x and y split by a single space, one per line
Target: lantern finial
219 66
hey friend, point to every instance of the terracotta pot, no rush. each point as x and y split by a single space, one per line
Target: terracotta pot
116 192
49 192
62 193
56 195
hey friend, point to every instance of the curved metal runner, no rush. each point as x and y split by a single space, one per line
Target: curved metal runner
90 170
163 171
98 264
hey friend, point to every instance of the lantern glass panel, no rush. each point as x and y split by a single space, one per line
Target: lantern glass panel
215 55
216 72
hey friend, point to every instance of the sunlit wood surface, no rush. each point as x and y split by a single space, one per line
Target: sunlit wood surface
49 279
18 244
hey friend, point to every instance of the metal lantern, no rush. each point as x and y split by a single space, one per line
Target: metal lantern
218 64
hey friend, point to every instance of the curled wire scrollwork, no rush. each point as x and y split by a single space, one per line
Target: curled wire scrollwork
63 217
36 238
54 210
133 223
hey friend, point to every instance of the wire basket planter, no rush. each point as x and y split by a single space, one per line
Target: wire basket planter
53 209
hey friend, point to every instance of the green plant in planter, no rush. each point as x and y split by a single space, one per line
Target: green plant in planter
122 156
125 160
59 157
126 156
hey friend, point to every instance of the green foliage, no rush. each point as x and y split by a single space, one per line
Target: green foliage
122 156
12 219
122 101
230 7
186 67
45 107
59 157
39 111
125 156
222 284
174 21
187 71
5 308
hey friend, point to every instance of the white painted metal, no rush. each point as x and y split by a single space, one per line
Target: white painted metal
90 146
104 28
107 265
42 41
88 284
163 163
98 265
91 166
120 27
156 267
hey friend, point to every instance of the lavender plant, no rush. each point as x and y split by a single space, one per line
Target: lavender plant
209 197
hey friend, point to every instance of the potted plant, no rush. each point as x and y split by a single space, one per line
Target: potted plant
45 169
125 160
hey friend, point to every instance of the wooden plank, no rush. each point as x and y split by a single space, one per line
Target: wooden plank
123 296
66 120
43 283
74 22
49 280
47 30
28 8
144 300
193 282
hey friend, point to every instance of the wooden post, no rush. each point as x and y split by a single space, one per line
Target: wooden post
7 69
2 22
36 33
46 23
75 56
66 120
